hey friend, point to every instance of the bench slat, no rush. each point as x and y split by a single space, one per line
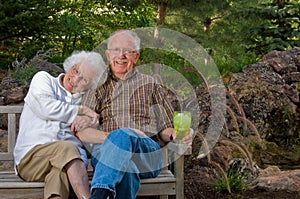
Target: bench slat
11 109
32 193
21 184
10 177
6 156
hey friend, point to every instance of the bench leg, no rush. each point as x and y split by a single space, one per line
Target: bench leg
179 167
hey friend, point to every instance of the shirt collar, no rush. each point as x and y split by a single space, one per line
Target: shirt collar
128 75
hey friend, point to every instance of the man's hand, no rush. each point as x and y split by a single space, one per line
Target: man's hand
188 140
168 134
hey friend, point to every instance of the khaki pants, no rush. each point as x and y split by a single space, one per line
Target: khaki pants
45 163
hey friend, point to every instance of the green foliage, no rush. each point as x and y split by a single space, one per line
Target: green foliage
169 59
234 32
279 30
118 16
25 25
217 27
236 182
24 70
71 25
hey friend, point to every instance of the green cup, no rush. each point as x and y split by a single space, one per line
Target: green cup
182 123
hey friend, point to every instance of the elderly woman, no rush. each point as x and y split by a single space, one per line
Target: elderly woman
47 149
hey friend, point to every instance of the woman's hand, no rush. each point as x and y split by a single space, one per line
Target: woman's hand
84 110
80 123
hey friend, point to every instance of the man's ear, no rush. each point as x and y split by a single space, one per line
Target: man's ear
107 55
136 58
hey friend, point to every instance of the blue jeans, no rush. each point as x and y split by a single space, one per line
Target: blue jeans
122 160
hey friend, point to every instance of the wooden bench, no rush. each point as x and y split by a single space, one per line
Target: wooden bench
12 187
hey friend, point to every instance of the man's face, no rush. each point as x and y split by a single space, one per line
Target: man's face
122 54
78 78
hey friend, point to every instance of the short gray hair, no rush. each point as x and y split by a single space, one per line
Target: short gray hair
135 38
93 60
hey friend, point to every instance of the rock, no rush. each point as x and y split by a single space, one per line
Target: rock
288 181
268 92
270 170
4 165
15 95
262 71
13 91
281 61
291 93
291 77
221 155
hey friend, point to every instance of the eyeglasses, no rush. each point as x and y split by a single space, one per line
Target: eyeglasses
81 80
125 52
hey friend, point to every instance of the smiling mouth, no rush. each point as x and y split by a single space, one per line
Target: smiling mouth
121 61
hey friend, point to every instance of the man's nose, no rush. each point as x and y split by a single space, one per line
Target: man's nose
121 53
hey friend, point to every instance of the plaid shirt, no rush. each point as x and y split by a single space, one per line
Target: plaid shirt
135 101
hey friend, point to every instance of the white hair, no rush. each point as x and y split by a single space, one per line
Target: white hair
93 61
135 38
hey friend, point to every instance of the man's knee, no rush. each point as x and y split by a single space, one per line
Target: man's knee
124 133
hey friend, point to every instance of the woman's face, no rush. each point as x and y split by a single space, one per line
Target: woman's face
78 78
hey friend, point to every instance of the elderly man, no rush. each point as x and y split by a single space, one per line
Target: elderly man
134 115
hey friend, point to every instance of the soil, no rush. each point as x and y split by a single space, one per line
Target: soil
199 183
3 73
197 188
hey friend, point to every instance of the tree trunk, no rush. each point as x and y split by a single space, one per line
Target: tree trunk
161 12
281 3
156 68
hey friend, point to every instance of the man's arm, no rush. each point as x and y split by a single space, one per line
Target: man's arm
92 136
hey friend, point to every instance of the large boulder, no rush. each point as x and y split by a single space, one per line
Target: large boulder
268 92
288 181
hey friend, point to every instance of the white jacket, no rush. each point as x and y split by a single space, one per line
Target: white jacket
47 115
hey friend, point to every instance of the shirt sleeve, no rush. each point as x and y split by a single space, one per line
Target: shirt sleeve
164 110
89 99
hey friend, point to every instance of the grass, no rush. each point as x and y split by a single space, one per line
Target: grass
234 180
